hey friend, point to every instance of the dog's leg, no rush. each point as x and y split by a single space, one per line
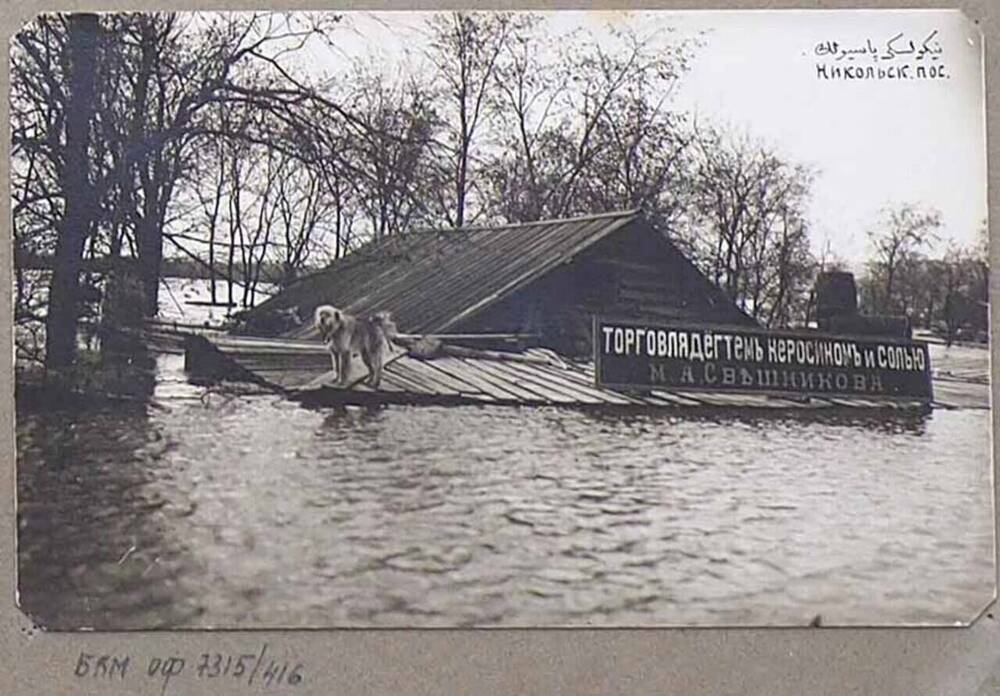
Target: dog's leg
334 362
345 367
374 368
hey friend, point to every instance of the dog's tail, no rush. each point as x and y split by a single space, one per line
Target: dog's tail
384 321
292 315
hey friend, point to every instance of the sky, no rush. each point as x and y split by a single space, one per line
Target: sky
872 143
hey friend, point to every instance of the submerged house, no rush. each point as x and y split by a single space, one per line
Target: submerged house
456 295
546 279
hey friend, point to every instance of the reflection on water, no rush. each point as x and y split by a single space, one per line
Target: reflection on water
207 509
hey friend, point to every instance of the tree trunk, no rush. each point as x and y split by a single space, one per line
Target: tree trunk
149 231
150 263
64 309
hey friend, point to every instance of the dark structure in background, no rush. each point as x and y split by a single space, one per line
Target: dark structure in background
836 295
837 310
546 278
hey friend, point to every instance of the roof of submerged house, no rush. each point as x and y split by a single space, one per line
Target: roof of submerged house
431 280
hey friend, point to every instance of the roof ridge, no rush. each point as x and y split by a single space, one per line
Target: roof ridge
366 252
627 212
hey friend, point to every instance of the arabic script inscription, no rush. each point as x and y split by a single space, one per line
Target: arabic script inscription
897 58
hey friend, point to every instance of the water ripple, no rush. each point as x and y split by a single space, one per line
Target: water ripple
255 512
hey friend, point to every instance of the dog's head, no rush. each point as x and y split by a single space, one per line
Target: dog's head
328 320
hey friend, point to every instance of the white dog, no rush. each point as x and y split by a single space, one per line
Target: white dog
345 334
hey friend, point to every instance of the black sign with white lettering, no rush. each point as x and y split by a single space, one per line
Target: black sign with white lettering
642 356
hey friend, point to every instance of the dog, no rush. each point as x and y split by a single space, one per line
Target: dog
345 334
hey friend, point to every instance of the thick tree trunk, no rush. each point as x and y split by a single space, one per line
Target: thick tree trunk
78 216
158 192
147 230
126 362
151 262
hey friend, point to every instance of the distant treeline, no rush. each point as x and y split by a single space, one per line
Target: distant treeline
914 271
270 271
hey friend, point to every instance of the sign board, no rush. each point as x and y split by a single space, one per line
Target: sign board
636 355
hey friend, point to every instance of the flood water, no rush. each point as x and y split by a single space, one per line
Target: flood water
214 509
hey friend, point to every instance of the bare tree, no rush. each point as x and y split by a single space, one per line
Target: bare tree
302 206
466 48
947 293
588 127
82 32
896 239
390 155
107 114
746 223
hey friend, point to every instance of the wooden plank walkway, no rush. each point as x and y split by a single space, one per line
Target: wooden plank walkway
302 370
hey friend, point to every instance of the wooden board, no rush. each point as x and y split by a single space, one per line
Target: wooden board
491 388
534 377
952 394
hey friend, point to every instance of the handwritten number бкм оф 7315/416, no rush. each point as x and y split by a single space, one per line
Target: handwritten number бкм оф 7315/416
249 668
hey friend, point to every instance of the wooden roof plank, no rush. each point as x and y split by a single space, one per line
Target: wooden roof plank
463 374
524 380
470 374
230 343
660 401
282 362
675 397
580 381
524 392
427 369
551 380
421 383
962 394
